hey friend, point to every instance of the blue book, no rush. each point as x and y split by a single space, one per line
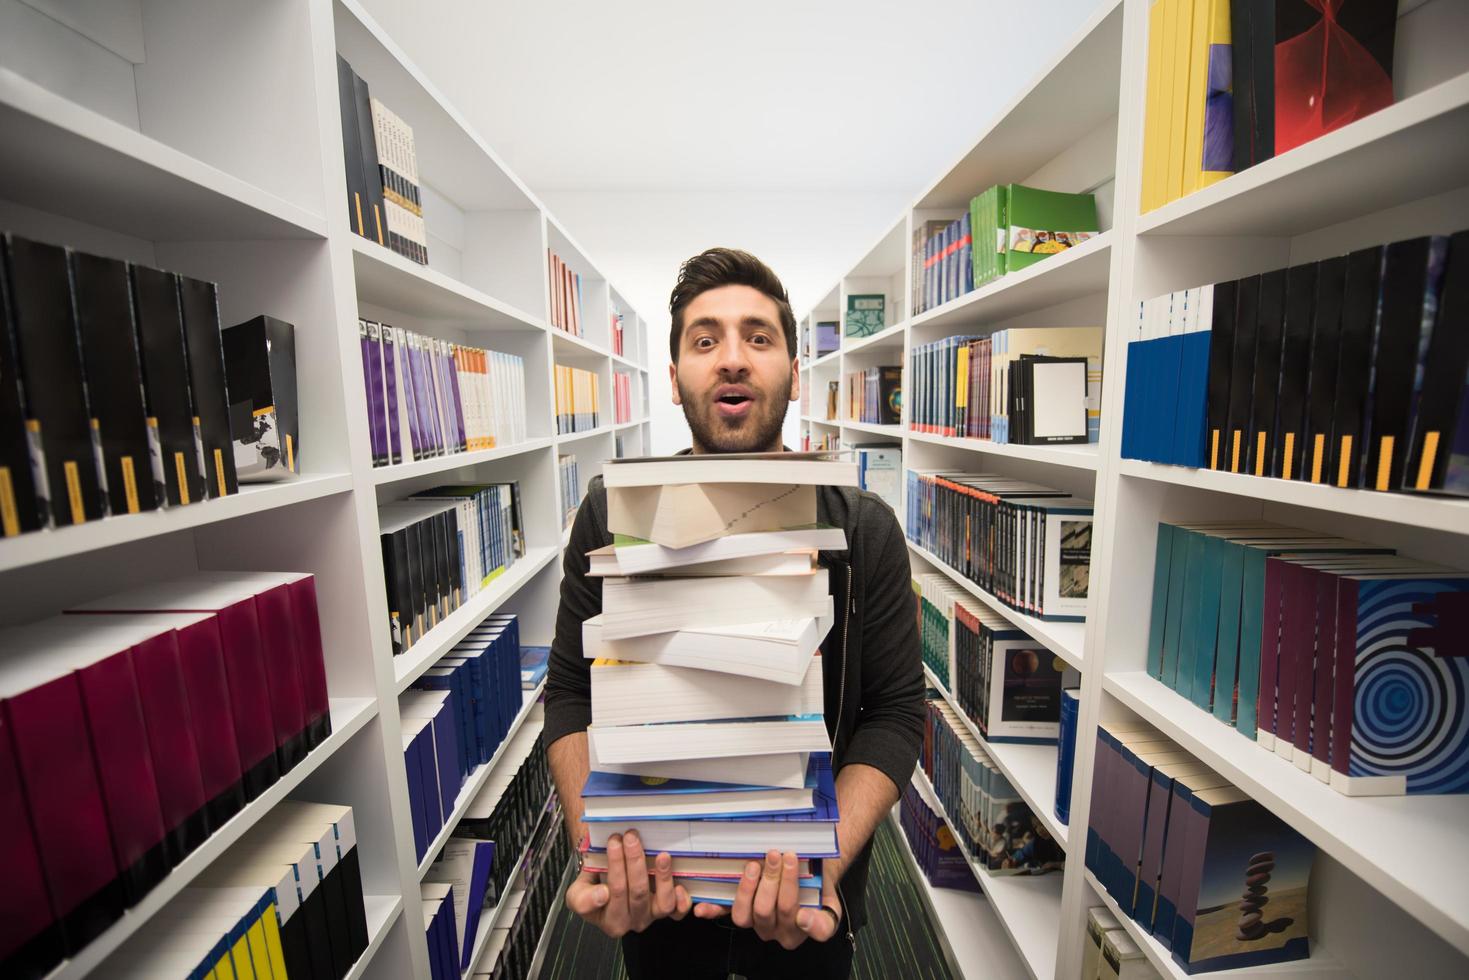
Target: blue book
479 883
1066 752
534 662
721 891
446 757
416 810
613 797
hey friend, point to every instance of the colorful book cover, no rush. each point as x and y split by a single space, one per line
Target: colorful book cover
865 314
1044 223
1333 65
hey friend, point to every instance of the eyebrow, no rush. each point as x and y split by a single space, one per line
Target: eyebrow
750 320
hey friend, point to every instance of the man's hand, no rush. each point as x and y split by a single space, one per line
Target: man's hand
768 900
624 902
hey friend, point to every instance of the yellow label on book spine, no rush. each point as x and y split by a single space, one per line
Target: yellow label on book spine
183 475
129 484
377 217
1214 450
1234 453
1384 461
219 472
1259 454
240 953
262 411
1346 461
74 491
290 453
357 204
1290 451
1318 457
9 513
224 969
961 375
1425 463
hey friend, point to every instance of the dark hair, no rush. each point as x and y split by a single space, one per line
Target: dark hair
726 267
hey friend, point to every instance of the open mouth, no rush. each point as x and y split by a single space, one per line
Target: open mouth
732 401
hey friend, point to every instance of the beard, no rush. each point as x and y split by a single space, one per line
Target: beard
757 432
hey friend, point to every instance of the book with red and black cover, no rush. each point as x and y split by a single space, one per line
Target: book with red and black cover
109 341
199 301
57 418
1333 64
166 385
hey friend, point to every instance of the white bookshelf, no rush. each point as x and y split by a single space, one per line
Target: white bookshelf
1377 910
203 137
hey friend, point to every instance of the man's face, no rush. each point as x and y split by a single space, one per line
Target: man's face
734 378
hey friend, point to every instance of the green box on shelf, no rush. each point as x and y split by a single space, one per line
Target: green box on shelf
865 314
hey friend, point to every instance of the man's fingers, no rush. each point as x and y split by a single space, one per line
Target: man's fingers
708 910
586 895
637 876
763 910
682 902
745 896
787 898
664 901
615 916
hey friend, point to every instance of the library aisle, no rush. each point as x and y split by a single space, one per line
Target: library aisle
1165 379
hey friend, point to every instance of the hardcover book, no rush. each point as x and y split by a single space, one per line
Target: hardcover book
178 467
260 364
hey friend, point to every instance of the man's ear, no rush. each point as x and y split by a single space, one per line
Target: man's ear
673 383
795 379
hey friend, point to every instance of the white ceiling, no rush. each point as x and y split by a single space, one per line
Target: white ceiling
760 95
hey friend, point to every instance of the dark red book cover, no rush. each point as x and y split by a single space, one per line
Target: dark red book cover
1333 65
30 939
59 777
177 773
279 649
125 769
313 658
211 717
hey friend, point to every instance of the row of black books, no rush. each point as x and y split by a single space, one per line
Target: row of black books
1029 385
113 394
934 847
1007 683
1328 651
134 726
428 397
456 719
384 202
996 826
1233 82
285 901
1349 371
1027 545
462 875
875 395
442 546
1218 879
511 953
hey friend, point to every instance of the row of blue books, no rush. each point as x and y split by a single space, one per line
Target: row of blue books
455 718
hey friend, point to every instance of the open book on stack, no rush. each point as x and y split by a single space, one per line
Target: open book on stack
708 732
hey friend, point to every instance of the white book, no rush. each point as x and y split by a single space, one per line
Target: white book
810 838
605 561
779 650
633 744
639 606
818 469
787 769
630 693
636 555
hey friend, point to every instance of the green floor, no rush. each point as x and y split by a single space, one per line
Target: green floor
899 939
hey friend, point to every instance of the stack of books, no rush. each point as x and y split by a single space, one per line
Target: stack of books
708 735
934 847
1215 877
384 204
875 395
578 399
565 295
621 397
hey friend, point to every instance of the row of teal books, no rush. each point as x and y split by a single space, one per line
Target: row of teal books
708 734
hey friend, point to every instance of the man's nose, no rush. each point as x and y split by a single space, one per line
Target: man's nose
733 359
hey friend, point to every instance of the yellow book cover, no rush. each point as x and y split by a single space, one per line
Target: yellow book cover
1178 83
1218 127
1153 120
273 942
259 956
1168 95
1197 92
240 953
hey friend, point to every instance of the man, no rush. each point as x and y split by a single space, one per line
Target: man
734 372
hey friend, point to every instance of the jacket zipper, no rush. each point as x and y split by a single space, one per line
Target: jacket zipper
841 704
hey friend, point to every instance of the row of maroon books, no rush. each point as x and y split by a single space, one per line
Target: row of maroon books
134 726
